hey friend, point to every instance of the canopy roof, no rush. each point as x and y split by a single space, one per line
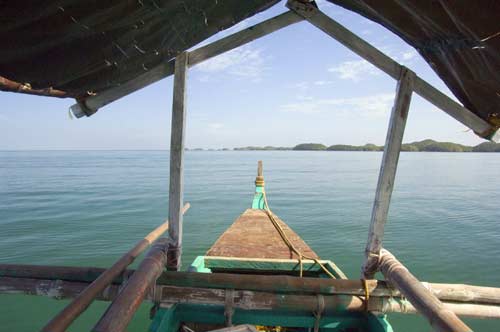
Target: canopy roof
85 47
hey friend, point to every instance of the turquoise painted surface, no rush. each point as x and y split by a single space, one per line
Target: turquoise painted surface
258 198
87 207
167 320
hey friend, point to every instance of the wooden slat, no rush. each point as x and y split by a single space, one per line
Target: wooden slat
253 235
93 103
176 192
390 67
387 173
55 276
245 300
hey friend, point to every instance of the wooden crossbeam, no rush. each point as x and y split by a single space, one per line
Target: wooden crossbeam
466 305
391 67
93 103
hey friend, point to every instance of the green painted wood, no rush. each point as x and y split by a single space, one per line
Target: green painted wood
267 265
258 198
168 320
165 320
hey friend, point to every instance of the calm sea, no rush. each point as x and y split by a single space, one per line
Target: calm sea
88 207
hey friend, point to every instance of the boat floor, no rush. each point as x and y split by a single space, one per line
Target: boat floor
253 235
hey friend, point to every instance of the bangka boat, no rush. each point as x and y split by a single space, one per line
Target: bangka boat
259 275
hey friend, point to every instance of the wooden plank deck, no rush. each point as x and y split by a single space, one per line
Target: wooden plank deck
253 235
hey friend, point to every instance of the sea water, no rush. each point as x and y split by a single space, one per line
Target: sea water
86 208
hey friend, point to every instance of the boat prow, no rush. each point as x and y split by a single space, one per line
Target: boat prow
258 243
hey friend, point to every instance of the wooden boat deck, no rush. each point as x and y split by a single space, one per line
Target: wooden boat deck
253 235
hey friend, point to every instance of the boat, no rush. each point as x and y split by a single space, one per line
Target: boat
252 246
259 275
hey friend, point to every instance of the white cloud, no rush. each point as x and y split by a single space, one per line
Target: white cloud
354 70
244 62
373 105
409 55
322 82
215 126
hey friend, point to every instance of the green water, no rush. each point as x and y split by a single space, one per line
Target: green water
87 208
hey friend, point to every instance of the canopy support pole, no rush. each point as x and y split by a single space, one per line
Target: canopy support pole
387 173
176 191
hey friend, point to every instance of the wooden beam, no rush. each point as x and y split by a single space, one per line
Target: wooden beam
279 284
390 67
66 316
119 314
243 299
92 104
387 173
441 318
176 192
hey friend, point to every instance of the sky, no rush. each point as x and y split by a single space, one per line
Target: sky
293 86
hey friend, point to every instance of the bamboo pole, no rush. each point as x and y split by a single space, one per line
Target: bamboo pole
13 86
439 316
278 284
176 190
122 309
166 296
66 316
388 169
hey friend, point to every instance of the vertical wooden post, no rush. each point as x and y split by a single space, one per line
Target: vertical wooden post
387 173
177 162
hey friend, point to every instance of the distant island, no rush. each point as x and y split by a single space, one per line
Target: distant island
427 145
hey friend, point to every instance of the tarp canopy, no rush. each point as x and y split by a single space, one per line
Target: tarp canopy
89 46
459 39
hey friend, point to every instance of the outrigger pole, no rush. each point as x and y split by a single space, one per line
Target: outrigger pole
101 281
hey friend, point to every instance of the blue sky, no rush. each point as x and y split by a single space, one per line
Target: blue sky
295 85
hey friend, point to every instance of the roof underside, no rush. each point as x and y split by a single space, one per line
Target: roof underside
90 46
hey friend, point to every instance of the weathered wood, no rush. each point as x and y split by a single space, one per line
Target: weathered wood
123 307
176 192
93 103
280 284
260 171
390 67
253 235
441 318
243 299
66 316
243 37
387 173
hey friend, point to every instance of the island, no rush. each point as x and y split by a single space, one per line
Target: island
427 145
